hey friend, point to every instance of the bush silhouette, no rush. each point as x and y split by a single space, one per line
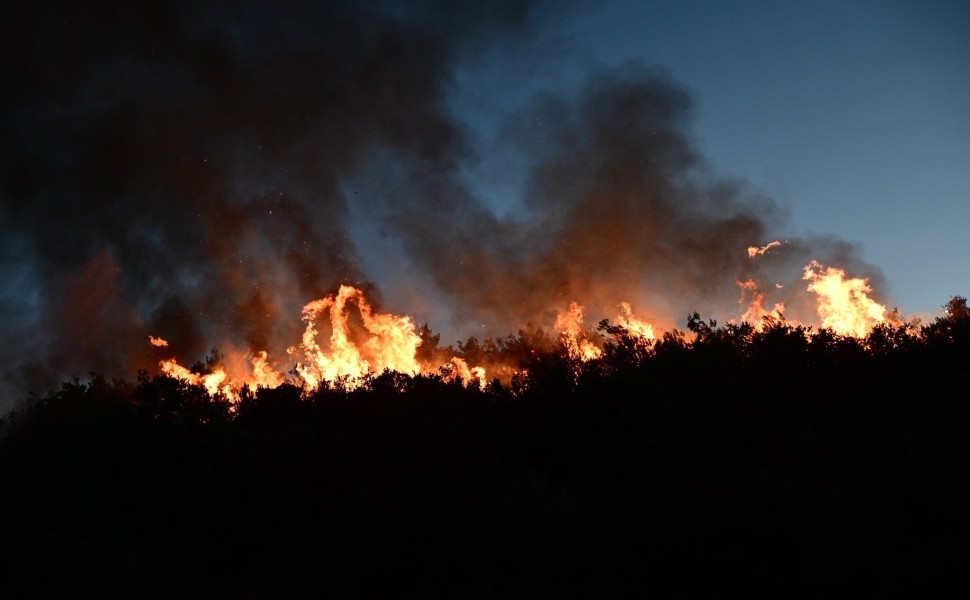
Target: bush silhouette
721 456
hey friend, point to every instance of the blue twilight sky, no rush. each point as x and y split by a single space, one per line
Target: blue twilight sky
852 116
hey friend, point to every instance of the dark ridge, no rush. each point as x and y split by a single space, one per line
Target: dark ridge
763 461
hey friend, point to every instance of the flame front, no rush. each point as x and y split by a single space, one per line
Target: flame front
392 346
843 304
458 370
364 343
215 383
264 374
756 312
570 325
641 329
574 337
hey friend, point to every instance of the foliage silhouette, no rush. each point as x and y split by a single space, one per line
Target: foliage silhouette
767 459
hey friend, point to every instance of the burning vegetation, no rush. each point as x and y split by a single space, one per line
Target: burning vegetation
745 453
345 342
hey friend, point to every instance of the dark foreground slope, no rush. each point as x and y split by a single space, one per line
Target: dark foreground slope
762 461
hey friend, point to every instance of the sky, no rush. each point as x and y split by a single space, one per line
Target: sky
850 115
200 171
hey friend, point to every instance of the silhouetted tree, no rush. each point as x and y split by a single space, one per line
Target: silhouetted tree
954 326
429 349
175 402
785 450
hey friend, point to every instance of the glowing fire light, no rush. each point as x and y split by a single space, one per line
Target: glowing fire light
579 347
390 343
392 346
570 325
459 370
843 304
755 301
263 373
639 328
366 343
755 251
214 383
157 342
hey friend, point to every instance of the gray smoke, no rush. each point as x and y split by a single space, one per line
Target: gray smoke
619 206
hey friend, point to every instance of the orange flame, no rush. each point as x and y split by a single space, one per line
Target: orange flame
214 383
755 251
368 342
570 325
843 304
392 346
157 342
755 301
263 373
458 370
639 328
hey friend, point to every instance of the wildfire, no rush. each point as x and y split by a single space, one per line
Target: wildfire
755 301
754 251
356 342
843 304
157 342
459 370
639 328
579 347
215 383
263 374
570 325
392 346
388 342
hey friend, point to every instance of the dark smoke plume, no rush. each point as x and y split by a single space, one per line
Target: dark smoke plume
619 206
186 170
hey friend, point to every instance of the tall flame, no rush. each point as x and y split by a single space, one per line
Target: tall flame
756 312
628 321
579 347
570 325
391 343
843 304
264 374
392 346
458 370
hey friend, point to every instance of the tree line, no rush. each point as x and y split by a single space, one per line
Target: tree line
706 460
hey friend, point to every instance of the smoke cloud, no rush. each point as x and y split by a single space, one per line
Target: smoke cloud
618 206
192 171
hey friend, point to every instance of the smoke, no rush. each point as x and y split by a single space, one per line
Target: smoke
618 206
189 170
